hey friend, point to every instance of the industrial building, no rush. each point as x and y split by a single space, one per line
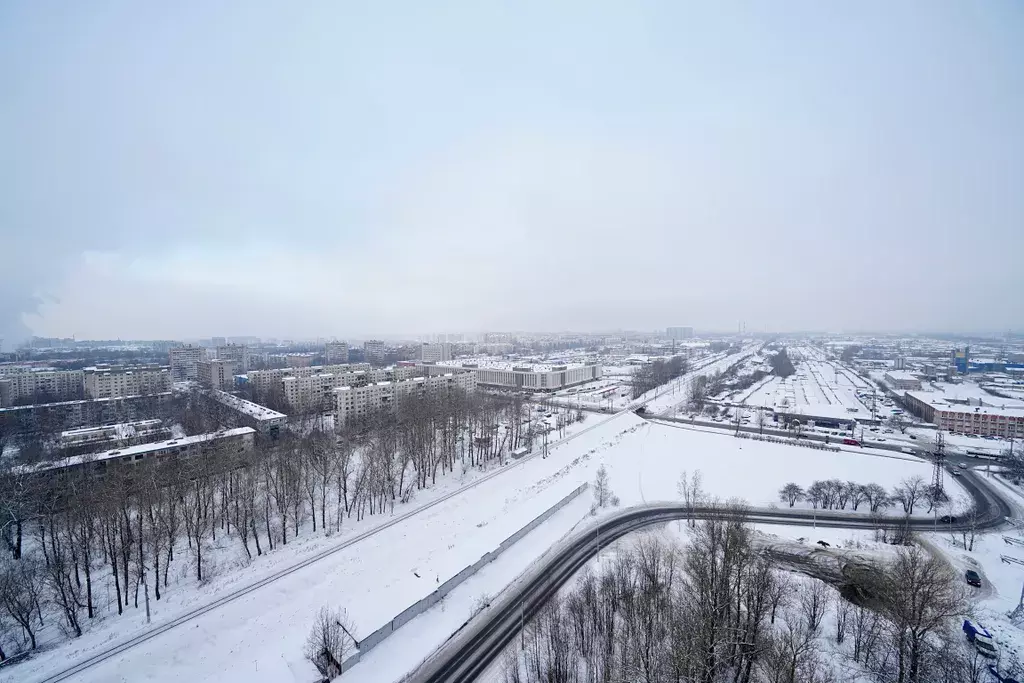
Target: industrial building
969 411
357 402
903 380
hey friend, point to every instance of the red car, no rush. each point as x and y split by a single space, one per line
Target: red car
851 442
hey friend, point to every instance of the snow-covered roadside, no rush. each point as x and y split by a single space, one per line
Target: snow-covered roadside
374 579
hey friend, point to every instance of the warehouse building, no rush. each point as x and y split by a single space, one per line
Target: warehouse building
527 377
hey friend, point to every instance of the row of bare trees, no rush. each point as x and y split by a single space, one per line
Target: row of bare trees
835 494
719 610
163 525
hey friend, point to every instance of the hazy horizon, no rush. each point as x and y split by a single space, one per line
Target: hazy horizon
191 170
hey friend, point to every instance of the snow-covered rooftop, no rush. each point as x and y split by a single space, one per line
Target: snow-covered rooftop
495 364
253 410
141 449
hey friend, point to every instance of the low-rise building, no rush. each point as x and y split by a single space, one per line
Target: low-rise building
990 416
227 442
358 402
118 381
526 377
903 380
106 437
263 419
62 415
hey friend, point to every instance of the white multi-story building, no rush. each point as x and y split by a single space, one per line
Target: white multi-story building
239 353
117 381
263 381
335 352
374 351
435 353
500 374
184 360
356 402
679 333
314 391
903 380
217 374
39 384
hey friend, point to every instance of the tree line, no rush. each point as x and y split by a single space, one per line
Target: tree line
151 526
720 610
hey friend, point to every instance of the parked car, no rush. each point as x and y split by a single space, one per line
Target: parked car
973 578
981 638
948 519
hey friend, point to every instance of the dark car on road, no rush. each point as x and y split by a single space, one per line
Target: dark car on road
973 577
948 519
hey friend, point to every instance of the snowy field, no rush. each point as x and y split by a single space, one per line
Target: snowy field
646 465
819 388
259 637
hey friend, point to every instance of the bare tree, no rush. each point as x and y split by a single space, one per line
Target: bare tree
330 641
909 492
21 589
876 497
791 493
813 604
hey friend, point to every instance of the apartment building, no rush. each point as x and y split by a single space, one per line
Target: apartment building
357 402
374 350
435 353
502 375
679 333
42 384
239 353
314 391
70 414
263 419
184 360
335 352
263 381
228 442
217 374
118 381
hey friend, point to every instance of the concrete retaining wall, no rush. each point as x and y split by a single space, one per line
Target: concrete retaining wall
371 641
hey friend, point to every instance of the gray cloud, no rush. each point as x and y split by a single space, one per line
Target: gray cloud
339 172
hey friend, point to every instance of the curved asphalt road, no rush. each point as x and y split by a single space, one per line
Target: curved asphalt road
470 652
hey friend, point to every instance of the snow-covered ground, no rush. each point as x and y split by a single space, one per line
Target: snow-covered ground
259 637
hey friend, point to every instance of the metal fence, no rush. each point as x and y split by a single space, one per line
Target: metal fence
371 641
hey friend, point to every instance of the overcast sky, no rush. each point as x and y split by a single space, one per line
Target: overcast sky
282 169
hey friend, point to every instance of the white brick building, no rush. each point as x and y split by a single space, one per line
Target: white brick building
117 381
503 375
217 374
183 360
357 402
